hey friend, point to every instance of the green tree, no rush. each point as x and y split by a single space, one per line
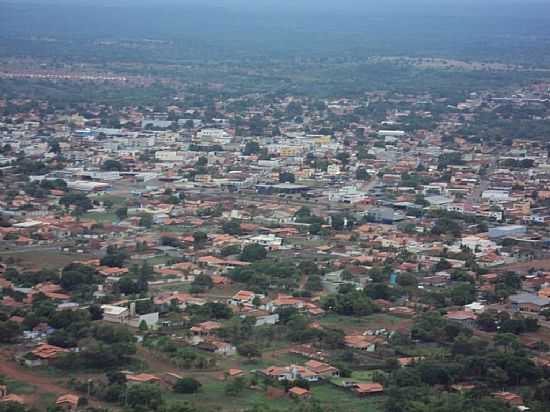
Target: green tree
9 331
253 252
111 165
121 213
146 220
286 177
199 239
232 227
144 397
187 385
235 387
251 147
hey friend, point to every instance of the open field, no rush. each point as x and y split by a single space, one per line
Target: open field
44 258
344 400
523 267
100 217
352 324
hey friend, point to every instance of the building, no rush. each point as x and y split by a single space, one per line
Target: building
299 393
68 402
391 133
115 314
169 156
463 317
528 302
507 231
348 194
204 330
283 188
142 378
42 355
385 215
367 389
218 136
322 369
268 241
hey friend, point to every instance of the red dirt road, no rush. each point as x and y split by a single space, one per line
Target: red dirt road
43 384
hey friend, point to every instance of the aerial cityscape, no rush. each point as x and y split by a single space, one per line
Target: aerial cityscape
306 207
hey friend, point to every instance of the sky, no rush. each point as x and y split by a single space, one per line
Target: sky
348 5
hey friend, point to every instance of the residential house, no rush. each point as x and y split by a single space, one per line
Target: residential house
299 393
367 389
68 402
463 317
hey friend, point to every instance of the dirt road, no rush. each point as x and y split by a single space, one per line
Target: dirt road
43 385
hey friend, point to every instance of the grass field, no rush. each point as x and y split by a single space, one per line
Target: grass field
18 387
100 217
343 400
157 260
360 324
212 396
117 200
358 377
41 259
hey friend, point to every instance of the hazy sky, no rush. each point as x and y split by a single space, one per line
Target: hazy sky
301 4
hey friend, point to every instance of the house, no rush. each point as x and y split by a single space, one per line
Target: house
322 369
367 389
112 272
279 373
235 373
42 355
299 393
290 373
366 343
243 297
464 317
528 302
217 346
203 330
509 397
12 398
476 307
269 241
142 378
115 314
68 402
284 301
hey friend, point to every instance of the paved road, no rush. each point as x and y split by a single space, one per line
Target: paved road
9 249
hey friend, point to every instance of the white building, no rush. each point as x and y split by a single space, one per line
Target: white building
115 314
218 136
348 194
333 170
496 195
269 240
391 133
169 156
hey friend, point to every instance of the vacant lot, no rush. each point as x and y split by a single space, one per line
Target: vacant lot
51 258
352 324
523 267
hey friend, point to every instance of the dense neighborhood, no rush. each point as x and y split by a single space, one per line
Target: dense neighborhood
262 252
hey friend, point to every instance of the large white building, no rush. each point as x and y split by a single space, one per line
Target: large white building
169 156
391 133
348 194
218 136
